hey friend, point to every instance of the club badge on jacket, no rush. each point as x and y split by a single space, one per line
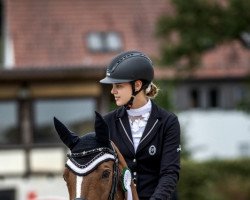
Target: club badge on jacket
152 150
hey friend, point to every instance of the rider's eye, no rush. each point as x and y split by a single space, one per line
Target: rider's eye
118 85
105 174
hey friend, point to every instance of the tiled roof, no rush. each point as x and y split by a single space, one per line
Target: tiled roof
53 32
229 60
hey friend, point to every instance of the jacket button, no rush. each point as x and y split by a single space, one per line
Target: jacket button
134 173
134 160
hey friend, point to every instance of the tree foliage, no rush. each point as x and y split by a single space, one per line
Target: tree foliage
199 25
215 179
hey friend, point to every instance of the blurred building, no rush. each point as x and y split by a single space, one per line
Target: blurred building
221 82
53 54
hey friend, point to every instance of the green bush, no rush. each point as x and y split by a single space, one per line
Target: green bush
215 180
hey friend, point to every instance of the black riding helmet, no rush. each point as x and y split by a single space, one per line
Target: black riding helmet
130 66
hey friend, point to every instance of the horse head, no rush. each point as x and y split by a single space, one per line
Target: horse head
95 169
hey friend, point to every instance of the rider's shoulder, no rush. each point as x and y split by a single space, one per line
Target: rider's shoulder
114 114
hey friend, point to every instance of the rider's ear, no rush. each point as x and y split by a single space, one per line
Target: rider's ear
69 138
101 129
138 85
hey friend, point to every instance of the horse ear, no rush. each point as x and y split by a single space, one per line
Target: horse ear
101 129
69 139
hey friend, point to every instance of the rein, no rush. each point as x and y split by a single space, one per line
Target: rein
100 155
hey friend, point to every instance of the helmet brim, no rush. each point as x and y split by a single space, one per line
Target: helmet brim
108 80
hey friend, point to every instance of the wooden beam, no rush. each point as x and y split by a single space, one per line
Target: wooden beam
65 90
9 91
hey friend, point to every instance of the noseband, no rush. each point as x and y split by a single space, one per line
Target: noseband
94 158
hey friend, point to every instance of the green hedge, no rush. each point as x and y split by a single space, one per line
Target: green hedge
215 180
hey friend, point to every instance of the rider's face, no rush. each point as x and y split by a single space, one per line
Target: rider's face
122 93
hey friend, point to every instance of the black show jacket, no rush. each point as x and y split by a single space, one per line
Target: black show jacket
156 163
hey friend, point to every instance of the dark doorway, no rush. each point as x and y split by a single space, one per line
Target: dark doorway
7 194
213 98
195 98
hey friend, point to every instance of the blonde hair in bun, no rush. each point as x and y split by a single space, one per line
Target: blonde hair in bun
151 91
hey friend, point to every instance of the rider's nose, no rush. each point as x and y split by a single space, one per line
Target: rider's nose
113 90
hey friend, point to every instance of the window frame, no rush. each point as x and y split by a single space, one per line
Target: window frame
33 118
18 124
103 37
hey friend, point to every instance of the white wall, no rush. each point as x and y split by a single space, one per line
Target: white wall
216 133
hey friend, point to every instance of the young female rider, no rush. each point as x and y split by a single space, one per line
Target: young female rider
147 135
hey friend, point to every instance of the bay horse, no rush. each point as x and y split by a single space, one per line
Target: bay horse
95 169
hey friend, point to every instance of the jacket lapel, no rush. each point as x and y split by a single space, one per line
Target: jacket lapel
151 127
124 126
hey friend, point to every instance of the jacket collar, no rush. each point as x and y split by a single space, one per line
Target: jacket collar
121 112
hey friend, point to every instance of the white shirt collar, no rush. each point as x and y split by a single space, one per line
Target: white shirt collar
142 110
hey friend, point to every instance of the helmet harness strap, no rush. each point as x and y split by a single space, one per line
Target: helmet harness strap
129 104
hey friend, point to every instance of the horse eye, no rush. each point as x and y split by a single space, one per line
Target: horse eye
105 174
65 174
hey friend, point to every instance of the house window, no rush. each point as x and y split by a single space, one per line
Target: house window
195 98
76 114
245 38
104 41
9 123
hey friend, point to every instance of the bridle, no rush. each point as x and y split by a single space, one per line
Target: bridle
99 155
